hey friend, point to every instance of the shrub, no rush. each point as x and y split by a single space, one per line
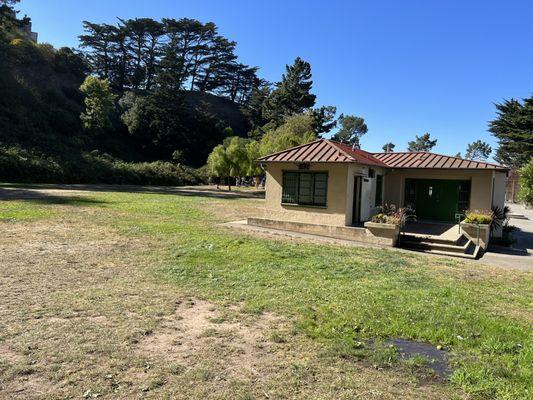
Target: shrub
526 183
19 165
391 215
478 217
499 217
379 218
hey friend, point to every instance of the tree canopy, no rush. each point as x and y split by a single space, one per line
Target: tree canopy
99 103
388 147
296 130
422 143
478 150
526 182
351 130
513 127
292 94
176 54
235 157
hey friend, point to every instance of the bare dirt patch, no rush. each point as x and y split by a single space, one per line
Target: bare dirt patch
7 354
198 330
29 387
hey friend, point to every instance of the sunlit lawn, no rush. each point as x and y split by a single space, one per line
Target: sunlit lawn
341 298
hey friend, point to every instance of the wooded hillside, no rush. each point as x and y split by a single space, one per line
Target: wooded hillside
153 118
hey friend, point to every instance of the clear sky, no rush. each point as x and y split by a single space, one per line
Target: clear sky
407 66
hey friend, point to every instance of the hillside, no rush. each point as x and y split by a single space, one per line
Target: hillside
41 136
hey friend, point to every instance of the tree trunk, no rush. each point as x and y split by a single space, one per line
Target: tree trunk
257 181
229 184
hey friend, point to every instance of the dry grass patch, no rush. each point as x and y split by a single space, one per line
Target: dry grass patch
198 331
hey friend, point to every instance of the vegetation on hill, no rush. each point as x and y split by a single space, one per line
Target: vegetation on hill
526 182
168 92
54 129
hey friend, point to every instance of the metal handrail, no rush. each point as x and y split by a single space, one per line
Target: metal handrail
458 218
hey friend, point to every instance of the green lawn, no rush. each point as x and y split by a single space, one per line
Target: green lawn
339 298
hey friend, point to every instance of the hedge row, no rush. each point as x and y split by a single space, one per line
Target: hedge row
19 165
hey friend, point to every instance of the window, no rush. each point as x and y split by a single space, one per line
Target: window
463 196
305 188
371 173
410 193
379 190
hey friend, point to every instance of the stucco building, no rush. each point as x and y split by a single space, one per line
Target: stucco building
334 185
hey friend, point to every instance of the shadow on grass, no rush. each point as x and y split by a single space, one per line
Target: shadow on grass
200 191
39 197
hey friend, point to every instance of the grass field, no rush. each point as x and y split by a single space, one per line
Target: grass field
127 295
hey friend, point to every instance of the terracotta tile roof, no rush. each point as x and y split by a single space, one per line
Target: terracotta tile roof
323 150
422 159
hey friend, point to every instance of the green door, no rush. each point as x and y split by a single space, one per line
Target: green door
437 199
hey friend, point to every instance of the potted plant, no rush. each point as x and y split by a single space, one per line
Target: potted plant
389 222
477 226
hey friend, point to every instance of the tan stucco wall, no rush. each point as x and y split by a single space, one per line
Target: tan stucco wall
338 211
333 214
498 195
339 199
481 193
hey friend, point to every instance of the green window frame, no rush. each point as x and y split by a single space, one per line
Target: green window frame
379 191
305 188
463 197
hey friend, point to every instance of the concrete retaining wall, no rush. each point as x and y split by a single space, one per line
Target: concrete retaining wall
339 232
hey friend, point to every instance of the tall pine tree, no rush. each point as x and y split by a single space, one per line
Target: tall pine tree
513 128
293 94
422 143
351 130
478 150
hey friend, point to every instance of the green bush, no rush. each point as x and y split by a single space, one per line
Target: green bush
478 217
390 214
19 165
526 183
379 218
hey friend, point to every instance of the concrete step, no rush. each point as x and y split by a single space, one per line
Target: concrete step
462 247
472 256
430 238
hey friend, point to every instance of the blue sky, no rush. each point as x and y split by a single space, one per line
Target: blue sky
406 66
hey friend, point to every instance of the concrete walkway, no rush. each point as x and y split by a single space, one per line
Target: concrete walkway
521 255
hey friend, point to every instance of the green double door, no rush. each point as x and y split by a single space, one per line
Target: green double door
437 199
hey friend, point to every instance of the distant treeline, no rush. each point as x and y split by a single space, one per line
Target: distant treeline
140 54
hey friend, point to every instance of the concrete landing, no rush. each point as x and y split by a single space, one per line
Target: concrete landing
433 230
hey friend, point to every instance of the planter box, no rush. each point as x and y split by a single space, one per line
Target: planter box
471 232
388 232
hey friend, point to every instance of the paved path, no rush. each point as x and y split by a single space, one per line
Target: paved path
522 258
